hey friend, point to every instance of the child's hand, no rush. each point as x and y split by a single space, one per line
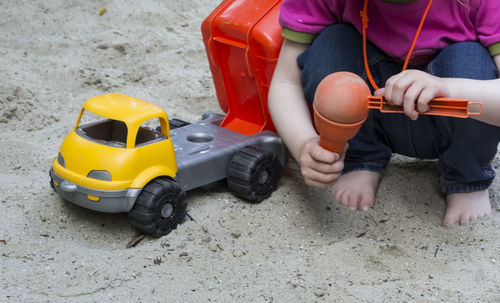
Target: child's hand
413 89
320 167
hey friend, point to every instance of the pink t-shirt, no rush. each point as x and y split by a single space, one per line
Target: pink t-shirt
392 26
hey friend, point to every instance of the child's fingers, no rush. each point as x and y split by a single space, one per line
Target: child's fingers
398 92
325 168
322 155
379 92
410 98
424 99
320 174
394 89
318 179
322 166
389 84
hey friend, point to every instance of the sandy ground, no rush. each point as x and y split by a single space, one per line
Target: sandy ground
297 246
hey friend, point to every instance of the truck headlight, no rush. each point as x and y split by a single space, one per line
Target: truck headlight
103 175
60 160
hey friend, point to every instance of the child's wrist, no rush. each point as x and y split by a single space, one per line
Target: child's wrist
449 87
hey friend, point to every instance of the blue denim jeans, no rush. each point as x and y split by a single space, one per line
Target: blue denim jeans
464 148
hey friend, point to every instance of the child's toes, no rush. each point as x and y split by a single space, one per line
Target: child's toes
338 196
449 219
366 202
353 202
464 219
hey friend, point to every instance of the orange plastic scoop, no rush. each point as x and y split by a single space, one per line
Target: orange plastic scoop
448 107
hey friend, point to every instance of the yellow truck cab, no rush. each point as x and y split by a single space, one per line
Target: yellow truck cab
105 164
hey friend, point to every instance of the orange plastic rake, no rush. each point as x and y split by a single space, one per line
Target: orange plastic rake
448 107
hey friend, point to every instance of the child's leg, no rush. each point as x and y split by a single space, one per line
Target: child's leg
339 48
467 147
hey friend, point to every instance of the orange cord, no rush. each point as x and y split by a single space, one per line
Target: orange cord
364 21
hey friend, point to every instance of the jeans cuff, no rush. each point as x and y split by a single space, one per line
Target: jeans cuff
465 187
374 166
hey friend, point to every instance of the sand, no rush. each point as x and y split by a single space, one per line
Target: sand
297 246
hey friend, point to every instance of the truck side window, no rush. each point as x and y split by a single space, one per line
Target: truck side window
149 133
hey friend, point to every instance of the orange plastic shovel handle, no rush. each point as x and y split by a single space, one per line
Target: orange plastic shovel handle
448 107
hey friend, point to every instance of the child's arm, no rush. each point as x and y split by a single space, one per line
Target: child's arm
413 89
485 91
292 120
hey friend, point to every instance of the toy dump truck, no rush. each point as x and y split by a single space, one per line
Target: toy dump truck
131 158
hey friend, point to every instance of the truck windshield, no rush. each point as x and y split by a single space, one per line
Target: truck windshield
102 130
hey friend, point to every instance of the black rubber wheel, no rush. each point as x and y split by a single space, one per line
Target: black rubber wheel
52 182
160 207
253 174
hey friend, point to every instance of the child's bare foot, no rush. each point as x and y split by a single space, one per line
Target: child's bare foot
465 207
357 189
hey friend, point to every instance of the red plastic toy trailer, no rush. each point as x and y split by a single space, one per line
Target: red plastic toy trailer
243 40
